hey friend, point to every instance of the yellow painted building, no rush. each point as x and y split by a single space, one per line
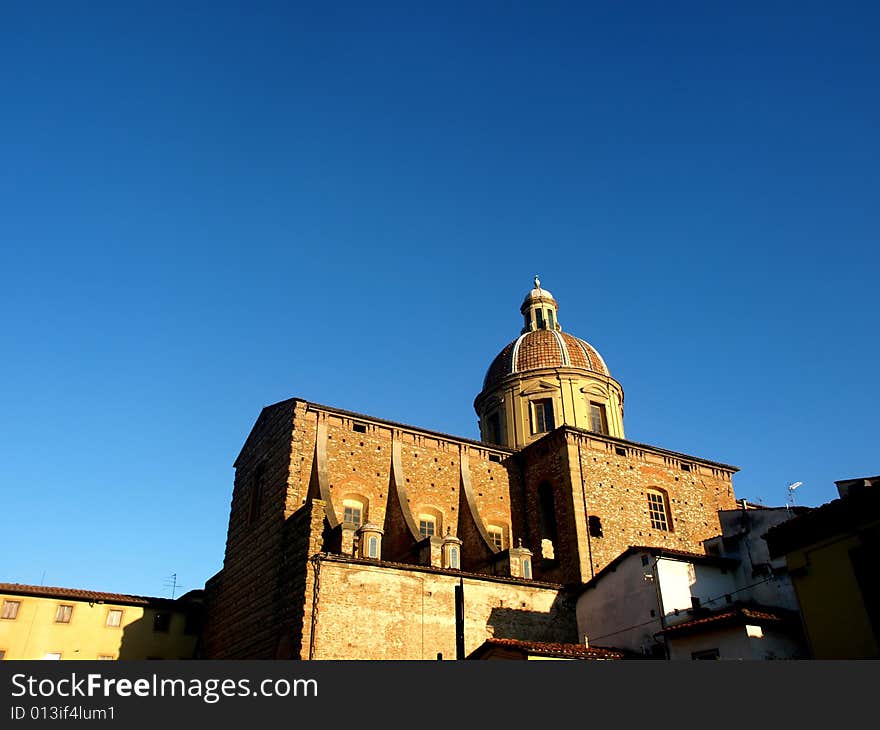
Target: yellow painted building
40 622
833 553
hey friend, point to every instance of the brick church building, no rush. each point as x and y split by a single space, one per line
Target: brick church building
348 534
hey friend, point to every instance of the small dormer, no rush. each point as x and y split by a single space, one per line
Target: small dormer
451 551
370 541
521 562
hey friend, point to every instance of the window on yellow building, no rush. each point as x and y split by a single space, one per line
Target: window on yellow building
53 655
542 415
598 420
106 657
10 610
114 618
63 613
493 428
2 654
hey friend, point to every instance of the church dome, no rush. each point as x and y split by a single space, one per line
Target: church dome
544 349
546 378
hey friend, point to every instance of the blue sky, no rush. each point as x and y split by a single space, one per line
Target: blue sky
208 208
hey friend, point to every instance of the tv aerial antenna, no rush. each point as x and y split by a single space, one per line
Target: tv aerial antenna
791 487
171 582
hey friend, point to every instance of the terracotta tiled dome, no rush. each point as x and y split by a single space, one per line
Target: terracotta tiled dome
544 348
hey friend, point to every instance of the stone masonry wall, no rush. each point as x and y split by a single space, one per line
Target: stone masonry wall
376 611
598 476
244 600
546 461
616 485
359 466
303 540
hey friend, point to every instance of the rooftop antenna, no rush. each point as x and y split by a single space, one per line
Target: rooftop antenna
791 488
171 582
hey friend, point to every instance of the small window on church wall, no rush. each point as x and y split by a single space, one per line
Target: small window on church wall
658 510
427 525
542 415
352 511
595 524
496 536
598 420
453 557
527 568
551 319
539 318
373 547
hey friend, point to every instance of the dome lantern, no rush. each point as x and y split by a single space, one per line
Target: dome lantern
540 310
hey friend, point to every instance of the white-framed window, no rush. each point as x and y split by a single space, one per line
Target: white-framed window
114 618
52 655
63 613
10 610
